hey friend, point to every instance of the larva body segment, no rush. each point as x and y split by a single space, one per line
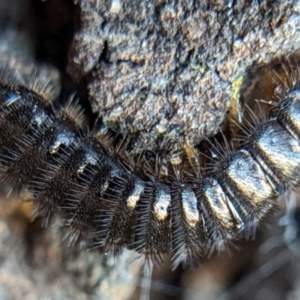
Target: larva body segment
22 115
188 230
288 111
220 221
280 153
152 229
247 187
116 218
47 150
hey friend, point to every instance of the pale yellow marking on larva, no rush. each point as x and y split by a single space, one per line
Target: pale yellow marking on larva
190 207
135 195
91 159
62 139
162 203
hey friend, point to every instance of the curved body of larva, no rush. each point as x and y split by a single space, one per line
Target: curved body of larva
68 172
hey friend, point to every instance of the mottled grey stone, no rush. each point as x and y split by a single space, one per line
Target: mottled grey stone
163 70
48 269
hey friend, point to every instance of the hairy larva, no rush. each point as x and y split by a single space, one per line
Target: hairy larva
47 149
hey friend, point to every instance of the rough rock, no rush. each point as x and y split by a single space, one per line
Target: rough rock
164 70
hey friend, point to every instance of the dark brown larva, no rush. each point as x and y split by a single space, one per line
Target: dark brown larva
49 151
